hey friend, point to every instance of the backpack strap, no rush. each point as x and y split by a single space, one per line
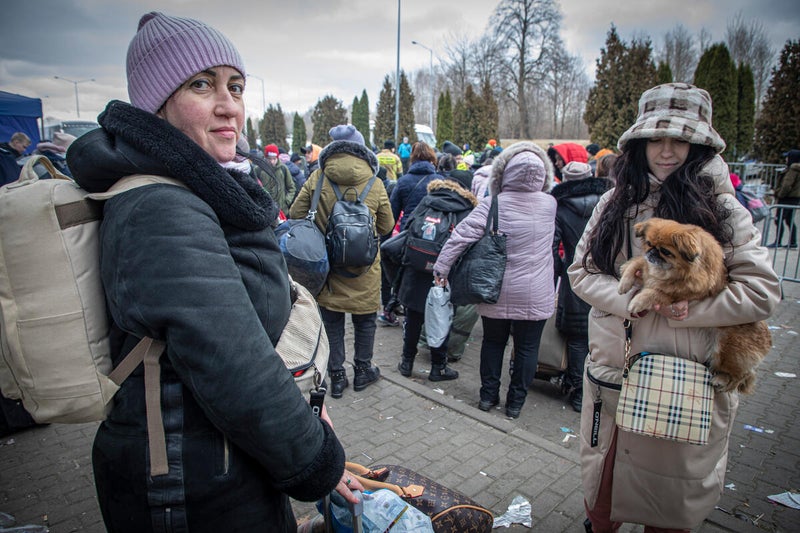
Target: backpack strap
148 351
359 198
312 209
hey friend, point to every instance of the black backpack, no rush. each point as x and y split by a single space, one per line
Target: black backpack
350 236
427 233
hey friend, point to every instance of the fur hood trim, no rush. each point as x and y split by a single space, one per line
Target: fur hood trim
349 147
502 159
440 184
583 187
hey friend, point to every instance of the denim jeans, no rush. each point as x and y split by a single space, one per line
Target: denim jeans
363 331
526 335
411 332
577 350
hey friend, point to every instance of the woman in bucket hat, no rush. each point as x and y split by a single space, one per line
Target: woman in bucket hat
669 168
197 266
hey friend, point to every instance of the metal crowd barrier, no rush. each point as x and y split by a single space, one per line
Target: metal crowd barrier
785 260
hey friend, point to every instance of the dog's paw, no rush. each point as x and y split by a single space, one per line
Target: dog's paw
722 382
747 385
638 304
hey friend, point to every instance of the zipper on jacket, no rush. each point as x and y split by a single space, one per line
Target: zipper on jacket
226 455
601 383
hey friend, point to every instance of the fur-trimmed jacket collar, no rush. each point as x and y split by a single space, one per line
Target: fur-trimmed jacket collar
583 187
351 148
450 185
132 141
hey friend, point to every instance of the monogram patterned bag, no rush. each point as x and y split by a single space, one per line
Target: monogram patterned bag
450 511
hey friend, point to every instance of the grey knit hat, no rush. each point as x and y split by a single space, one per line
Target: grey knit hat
575 170
676 110
166 51
346 132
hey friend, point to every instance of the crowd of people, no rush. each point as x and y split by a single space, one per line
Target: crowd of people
199 267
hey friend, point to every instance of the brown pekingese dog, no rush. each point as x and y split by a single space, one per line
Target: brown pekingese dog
685 262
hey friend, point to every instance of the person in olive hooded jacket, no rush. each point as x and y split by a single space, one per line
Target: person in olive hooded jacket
350 164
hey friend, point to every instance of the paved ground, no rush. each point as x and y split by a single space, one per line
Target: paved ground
45 473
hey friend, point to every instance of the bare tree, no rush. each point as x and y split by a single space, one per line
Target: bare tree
564 91
705 40
749 45
526 30
680 53
457 68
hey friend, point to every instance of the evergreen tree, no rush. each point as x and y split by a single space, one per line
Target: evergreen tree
361 118
663 73
460 127
273 127
299 135
362 124
623 74
328 112
489 119
716 73
473 115
778 127
407 121
251 133
745 116
384 114
444 118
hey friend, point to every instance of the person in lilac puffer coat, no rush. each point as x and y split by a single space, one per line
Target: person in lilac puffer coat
521 177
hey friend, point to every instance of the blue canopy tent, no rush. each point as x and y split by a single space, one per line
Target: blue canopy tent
19 113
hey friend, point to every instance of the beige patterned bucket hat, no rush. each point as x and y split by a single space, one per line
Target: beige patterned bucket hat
676 110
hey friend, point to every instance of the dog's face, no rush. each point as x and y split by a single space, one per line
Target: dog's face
672 249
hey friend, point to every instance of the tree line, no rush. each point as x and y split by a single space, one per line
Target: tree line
517 80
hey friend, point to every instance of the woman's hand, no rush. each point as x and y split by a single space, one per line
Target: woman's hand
439 280
347 484
674 311
324 416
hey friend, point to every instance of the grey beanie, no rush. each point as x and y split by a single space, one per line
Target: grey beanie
346 132
575 170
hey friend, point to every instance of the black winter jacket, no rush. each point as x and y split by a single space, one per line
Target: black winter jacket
200 269
410 189
576 201
446 196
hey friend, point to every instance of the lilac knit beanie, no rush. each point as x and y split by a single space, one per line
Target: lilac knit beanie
166 51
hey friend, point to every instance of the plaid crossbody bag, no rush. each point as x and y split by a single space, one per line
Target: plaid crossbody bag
665 396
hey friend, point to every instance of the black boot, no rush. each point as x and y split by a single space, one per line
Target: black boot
442 373
338 382
576 399
366 375
406 366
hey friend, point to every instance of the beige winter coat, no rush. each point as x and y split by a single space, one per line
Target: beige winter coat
658 482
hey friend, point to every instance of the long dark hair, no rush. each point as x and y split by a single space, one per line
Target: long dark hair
686 196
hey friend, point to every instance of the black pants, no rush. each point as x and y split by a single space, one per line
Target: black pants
527 334
363 332
577 350
411 331
785 217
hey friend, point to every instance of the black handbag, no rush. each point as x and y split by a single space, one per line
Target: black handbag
304 249
478 274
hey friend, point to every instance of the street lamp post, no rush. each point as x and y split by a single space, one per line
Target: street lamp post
75 83
430 74
263 97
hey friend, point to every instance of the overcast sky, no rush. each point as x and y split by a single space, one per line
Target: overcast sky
305 49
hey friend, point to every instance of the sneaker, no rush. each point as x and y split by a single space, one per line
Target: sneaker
513 412
774 245
388 319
